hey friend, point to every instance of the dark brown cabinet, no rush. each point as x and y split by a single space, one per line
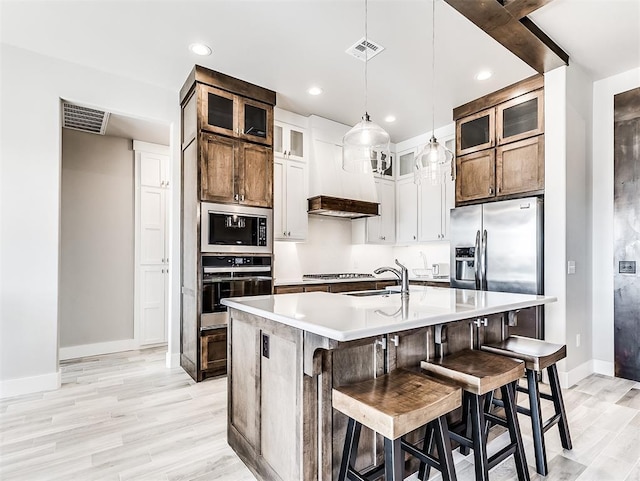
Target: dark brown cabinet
520 118
227 158
520 166
500 144
476 132
233 171
475 176
213 352
233 115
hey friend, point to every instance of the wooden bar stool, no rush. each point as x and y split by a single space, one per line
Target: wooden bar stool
394 405
478 374
538 356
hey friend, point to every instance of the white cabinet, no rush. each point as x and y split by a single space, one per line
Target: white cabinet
422 211
289 141
382 229
406 211
152 250
289 200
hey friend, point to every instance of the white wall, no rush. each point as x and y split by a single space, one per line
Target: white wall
97 239
602 224
329 250
31 88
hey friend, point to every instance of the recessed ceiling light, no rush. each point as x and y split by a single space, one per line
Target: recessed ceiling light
390 118
314 91
483 75
200 49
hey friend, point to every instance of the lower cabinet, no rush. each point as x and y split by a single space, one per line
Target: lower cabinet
337 287
213 352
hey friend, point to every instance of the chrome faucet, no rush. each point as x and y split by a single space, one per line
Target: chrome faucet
402 274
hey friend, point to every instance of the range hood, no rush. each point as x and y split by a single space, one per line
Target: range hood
340 207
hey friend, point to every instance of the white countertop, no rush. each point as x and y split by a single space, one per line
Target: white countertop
346 318
299 281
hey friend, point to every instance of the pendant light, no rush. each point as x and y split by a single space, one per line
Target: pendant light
434 161
365 148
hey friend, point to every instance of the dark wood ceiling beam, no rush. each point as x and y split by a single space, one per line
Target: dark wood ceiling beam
519 35
521 8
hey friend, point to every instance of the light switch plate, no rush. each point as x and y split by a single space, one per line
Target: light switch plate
571 267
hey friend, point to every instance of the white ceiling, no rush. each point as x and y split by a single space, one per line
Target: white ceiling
288 46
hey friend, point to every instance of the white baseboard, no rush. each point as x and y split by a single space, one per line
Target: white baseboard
172 359
28 385
577 374
604 367
74 352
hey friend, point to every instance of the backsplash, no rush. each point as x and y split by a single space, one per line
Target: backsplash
329 249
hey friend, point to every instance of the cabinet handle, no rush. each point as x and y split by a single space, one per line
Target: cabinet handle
490 190
162 183
289 233
236 197
414 237
166 184
241 197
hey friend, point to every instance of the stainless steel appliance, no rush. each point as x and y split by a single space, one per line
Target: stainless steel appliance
235 229
498 246
231 276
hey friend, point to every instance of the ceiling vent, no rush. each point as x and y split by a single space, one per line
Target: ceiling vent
84 119
365 49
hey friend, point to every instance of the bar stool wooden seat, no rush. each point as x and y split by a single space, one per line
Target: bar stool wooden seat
394 405
537 356
478 374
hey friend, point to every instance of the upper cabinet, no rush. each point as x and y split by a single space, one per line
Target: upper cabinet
289 141
520 118
500 144
476 132
233 115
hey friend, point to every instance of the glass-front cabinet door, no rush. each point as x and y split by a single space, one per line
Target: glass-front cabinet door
288 141
406 162
228 114
475 132
218 111
520 118
255 121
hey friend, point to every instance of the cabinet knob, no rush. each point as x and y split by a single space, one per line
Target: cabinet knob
241 197
490 190
414 237
289 233
236 197
284 233
166 184
162 183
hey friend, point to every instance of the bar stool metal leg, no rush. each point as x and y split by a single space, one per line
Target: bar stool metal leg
536 422
443 444
350 450
514 431
477 419
393 460
427 447
558 403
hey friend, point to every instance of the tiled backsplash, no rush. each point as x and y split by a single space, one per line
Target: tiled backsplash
329 249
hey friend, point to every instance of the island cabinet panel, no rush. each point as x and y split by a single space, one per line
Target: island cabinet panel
244 393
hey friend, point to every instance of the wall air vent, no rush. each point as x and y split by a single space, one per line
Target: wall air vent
359 48
84 119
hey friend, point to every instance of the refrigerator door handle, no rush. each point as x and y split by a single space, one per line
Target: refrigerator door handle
476 262
484 261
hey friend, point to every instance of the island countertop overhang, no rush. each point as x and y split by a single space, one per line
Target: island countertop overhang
346 318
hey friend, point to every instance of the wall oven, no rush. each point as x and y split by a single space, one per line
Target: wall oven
235 229
231 276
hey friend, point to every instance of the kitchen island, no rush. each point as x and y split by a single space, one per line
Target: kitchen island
288 351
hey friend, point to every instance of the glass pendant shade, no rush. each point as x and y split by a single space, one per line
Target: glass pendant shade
365 148
433 163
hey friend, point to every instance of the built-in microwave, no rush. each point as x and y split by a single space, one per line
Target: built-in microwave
235 229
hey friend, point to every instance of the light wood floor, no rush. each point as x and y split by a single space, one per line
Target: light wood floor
126 417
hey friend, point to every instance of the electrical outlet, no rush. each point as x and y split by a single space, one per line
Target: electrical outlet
577 340
571 267
265 346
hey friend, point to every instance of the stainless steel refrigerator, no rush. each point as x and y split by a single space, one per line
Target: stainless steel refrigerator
498 246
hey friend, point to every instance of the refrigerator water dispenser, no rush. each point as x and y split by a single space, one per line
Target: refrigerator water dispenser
465 264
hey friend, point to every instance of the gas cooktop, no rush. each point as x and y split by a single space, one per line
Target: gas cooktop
344 275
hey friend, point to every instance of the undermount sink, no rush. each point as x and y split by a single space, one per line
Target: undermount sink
380 292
